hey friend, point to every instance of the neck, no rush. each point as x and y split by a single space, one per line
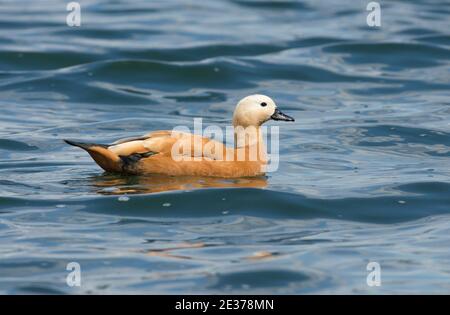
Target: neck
250 139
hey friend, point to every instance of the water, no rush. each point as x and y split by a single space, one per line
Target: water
364 173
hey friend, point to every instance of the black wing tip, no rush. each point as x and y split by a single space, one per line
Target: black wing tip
84 145
71 142
135 157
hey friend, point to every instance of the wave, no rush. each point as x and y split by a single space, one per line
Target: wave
412 202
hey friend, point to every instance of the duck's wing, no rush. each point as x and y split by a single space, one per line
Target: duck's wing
122 155
124 140
166 142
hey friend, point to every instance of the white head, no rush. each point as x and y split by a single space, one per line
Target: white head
254 110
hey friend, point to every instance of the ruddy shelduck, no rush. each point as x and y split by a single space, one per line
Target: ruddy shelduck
159 152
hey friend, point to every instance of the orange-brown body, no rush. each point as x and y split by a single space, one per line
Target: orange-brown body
204 157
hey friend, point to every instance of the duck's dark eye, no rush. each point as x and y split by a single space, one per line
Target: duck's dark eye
263 104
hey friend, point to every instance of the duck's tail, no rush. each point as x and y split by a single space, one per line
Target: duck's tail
106 159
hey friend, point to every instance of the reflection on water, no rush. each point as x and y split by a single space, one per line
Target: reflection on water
113 184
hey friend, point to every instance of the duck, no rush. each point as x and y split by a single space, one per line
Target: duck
179 153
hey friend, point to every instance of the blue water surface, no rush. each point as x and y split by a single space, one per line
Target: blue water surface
364 172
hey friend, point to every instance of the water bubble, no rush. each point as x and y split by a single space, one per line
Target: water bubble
166 204
225 212
60 206
402 201
124 198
